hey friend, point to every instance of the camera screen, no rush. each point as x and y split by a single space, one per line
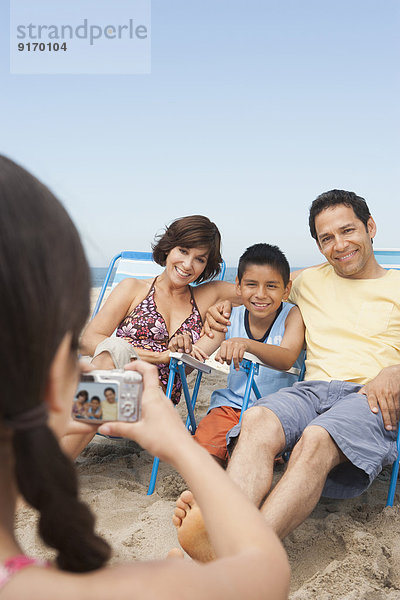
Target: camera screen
94 400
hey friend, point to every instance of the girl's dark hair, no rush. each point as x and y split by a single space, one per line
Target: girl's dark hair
84 394
45 283
194 231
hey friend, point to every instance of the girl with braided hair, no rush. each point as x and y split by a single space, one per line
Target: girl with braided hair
44 303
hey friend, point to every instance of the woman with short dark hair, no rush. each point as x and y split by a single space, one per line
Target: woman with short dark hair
148 313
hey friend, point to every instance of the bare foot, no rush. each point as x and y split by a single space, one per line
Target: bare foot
192 534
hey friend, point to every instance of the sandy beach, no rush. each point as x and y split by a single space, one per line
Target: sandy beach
344 550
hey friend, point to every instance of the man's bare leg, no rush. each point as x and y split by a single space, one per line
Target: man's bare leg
251 467
252 463
300 488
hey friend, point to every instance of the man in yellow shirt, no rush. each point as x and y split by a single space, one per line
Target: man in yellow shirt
339 424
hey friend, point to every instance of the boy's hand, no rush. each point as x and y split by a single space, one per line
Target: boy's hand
181 342
232 350
217 318
199 354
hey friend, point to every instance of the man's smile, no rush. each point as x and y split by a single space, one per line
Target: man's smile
347 256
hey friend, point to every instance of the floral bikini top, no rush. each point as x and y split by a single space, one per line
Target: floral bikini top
145 328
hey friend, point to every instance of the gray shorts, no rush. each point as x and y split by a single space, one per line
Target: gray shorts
346 416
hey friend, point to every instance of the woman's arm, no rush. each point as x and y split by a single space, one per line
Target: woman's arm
117 306
214 292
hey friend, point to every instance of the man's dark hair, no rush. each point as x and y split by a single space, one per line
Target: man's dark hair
108 389
334 198
264 254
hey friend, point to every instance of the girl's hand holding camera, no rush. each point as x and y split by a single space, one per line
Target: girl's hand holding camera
160 429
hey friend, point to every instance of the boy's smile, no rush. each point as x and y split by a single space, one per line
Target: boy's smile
262 290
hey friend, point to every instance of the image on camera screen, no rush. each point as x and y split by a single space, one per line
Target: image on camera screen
97 401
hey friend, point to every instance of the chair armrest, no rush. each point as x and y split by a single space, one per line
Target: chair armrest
191 362
255 359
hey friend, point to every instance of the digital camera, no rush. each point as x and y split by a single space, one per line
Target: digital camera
113 395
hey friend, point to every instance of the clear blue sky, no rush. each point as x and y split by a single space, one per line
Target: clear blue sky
252 109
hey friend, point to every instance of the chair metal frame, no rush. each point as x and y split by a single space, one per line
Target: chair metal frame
178 362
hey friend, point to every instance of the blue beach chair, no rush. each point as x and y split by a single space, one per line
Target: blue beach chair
389 258
129 264
141 266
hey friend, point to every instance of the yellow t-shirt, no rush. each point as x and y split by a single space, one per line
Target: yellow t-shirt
352 325
110 411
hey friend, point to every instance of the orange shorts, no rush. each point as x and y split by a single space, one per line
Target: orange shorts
211 431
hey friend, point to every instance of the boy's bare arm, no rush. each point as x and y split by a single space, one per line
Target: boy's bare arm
205 346
280 357
284 356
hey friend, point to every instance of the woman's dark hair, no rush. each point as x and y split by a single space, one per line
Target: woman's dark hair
84 394
194 231
334 198
45 283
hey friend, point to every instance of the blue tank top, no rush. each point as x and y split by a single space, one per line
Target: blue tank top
268 380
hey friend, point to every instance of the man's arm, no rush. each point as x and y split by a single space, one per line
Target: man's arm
383 392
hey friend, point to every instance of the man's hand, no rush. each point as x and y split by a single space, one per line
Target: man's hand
217 318
383 392
232 350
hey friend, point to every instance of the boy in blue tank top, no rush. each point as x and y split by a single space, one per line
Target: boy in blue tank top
266 326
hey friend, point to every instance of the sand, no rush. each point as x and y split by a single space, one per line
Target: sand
344 550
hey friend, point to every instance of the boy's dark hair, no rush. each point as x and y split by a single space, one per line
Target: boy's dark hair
194 231
95 398
45 285
264 254
334 198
